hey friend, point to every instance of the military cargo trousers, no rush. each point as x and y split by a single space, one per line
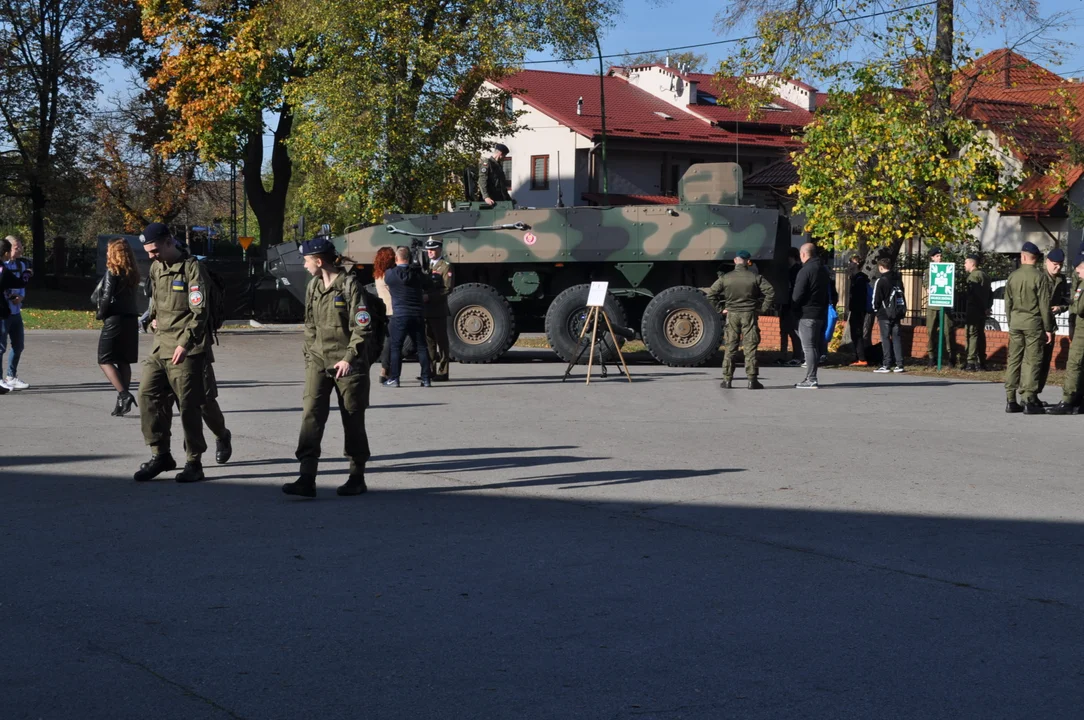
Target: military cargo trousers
1022 367
436 340
975 328
933 321
1074 367
741 326
164 383
353 395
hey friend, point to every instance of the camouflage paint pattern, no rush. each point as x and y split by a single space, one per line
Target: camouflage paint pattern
689 231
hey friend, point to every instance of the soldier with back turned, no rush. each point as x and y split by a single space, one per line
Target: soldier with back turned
1031 323
1058 289
740 294
979 299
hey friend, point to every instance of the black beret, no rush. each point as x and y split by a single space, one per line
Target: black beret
1030 247
317 246
974 256
934 251
155 232
502 147
1056 255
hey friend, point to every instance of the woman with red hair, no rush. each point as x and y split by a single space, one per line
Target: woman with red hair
385 259
118 345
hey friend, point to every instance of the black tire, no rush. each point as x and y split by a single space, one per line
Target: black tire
481 326
991 324
681 328
565 317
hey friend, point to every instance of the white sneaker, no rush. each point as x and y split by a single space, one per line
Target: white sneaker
898 369
882 369
4 388
15 383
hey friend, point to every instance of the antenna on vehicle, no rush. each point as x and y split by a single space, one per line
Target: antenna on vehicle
560 198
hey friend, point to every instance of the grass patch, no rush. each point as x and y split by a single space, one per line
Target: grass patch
49 309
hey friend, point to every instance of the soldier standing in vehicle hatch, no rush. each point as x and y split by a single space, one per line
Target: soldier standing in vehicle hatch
175 367
435 309
740 294
492 183
338 327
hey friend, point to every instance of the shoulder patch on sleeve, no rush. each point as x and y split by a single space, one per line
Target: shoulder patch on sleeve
362 318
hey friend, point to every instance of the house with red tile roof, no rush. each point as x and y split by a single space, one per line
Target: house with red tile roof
659 121
1025 106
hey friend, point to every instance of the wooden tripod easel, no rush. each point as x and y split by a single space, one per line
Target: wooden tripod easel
592 320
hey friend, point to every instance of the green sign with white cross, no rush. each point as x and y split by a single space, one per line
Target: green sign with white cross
942 290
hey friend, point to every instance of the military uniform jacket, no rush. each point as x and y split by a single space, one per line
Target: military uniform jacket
179 304
1059 290
1076 300
337 322
440 286
979 297
742 290
491 180
1027 300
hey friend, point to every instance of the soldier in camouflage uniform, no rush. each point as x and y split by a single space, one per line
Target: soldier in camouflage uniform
979 300
1027 305
174 370
1059 302
492 183
740 294
435 310
337 330
1074 366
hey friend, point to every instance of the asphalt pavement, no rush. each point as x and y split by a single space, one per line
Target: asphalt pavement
887 546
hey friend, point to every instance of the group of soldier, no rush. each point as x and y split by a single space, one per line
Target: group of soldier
1034 294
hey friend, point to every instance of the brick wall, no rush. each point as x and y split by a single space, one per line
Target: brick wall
914 342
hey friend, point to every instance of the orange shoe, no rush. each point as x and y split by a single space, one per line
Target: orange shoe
860 363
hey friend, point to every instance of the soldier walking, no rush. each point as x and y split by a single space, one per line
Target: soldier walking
492 183
1074 366
174 370
933 322
1059 302
435 309
979 300
740 294
1027 305
337 329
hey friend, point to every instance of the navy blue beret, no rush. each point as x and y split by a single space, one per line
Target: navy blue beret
743 254
155 232
1056 255
1030 247
317 246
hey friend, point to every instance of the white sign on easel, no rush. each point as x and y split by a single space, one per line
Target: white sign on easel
597 296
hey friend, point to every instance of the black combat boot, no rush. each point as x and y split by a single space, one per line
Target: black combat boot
158 464
1013 407
1034 407
754 384
354 485
193 472
1063 408
224 448
725 384
305 486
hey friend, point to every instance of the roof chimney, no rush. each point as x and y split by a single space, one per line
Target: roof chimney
579 106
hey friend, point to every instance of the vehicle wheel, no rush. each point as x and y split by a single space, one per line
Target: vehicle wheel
992 324
481 326
565 319
681 328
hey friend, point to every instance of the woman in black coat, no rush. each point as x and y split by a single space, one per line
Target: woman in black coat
118 346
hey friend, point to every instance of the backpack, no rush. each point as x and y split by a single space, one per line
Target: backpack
896 305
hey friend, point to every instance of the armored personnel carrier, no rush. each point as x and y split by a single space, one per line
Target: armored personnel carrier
528 269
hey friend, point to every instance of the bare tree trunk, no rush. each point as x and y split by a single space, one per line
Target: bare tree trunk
942 61
269 206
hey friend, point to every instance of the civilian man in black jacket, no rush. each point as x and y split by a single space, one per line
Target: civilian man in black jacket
890 326
810 298
407 286
857 305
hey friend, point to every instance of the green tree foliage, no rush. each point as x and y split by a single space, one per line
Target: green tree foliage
878 169
397 104
690 61
49 52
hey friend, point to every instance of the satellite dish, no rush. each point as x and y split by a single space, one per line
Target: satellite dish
679 88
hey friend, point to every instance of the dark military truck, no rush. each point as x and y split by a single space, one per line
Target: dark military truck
528 269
